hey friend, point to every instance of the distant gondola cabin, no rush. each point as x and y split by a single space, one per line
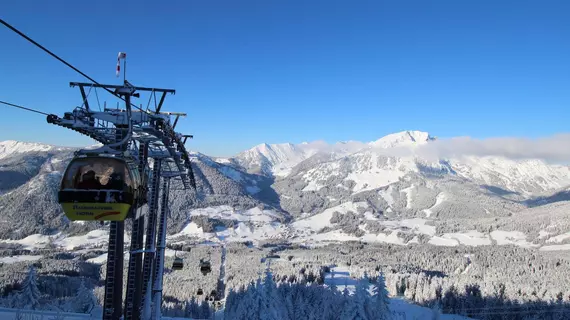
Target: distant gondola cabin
178 264
101 188
205 267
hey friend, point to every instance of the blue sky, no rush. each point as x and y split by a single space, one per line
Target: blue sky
277 71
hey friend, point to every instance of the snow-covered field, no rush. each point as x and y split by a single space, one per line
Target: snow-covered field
256 225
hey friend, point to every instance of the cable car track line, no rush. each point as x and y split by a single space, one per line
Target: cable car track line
85 133
20 33
24 108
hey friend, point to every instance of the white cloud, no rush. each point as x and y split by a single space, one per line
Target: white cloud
552 149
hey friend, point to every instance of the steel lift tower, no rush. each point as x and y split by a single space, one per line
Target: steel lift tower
147 136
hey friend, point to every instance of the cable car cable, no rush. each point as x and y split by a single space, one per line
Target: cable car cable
28 109
63 61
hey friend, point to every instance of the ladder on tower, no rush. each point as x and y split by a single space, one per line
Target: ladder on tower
112 304
133 297
134 274
150 241
161 246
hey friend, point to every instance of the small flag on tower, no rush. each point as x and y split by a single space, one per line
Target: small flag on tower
121 55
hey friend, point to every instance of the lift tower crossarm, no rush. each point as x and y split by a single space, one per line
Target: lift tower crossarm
113 86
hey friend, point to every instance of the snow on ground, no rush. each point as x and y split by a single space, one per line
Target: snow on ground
469 238
191 229
340 276
559 238
511 237
387 196
368 215
417 224
243 231
321 220
222 160
443 241
335 235
227 212
252 224
402 309
438 200
19 258
374 178
99 259
103 258
31 242
383 237
93 238
408 192
555 247
543 234
231 173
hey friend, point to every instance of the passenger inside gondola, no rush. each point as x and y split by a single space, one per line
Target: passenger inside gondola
89 181
116 182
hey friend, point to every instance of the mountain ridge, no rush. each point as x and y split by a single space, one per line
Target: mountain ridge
348 190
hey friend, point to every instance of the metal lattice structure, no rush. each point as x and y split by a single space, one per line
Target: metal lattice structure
142 135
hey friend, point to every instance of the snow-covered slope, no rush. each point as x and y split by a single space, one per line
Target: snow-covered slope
526 177
279 159
273 159
403 139
314 190
10 148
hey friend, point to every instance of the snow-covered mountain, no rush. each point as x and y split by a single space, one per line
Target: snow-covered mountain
403 139
278 159
9 148
273 159
383 190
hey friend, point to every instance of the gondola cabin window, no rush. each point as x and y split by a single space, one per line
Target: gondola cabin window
97 173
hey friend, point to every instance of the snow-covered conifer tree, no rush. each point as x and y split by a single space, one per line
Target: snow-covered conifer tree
380 299
29 296
84 300
272 307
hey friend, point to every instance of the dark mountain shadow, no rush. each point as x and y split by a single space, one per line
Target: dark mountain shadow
557 197
10 179
267 194
498 190
469 302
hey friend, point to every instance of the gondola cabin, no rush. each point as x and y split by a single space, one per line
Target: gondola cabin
205 267
200 292
101 188
178 264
